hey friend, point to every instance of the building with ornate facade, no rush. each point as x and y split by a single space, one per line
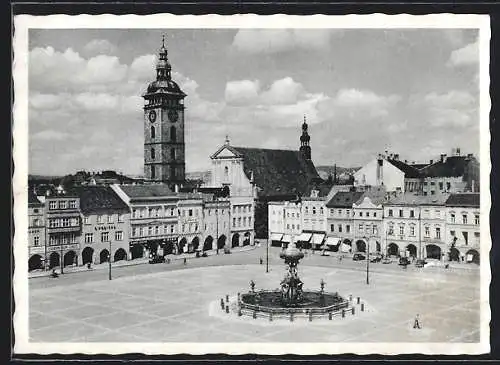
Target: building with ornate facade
216 221
368 214
63 227
164 146
36 232
257 176
105 225
154 218
340 219
463 227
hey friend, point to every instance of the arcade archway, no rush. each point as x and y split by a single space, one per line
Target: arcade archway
136 251
433 252
412 250
195 243
207 245
246 239
103 256
54 260
235 242
221 242
182 245
70 258
35 263
393 249
120 254
360 246
87 254
472 256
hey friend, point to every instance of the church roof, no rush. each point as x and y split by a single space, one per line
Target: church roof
278 172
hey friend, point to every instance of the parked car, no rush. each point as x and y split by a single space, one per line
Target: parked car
386 261
377 258
157 260
404 261
420 263
358 257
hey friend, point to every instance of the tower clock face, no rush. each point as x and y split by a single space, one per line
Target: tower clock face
173 115
152 116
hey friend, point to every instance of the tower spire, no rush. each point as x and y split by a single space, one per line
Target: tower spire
304 141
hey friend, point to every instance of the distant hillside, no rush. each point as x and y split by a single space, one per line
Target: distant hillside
43 179
326 170
205 176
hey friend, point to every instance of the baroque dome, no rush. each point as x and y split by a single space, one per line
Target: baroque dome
163 85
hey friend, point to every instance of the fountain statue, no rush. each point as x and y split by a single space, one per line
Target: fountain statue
291 285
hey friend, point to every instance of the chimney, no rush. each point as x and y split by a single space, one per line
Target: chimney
470 155
431 162
443 157
458 151
406 162
396 156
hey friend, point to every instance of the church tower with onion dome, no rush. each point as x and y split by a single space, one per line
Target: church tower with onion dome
164 148
305 149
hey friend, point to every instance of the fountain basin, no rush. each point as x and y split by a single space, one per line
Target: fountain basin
266 301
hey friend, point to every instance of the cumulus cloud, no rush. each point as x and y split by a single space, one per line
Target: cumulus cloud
284 91
99 46
467 55
281 40
455 108
241 92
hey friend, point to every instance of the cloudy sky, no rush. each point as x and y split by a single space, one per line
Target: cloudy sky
412 92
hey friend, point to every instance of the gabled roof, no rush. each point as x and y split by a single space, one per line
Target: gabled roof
97 199
409 171
344 199
147 190
278 172
452 166
228 147
464 200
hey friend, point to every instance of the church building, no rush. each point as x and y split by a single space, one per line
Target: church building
164 148
256 176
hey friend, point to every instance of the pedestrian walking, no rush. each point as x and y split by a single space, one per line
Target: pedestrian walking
261 261
185 261
416 324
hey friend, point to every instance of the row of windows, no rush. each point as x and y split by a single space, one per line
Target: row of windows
242 208
390 213
63 204
293 226
156 230
390 231
464 218
89 237
105 218
213 227
242 222
63 222
339 212
339 228
465 236
62 240
154 212
165 101
368 229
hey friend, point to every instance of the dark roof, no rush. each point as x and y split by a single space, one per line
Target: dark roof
419 166
464 200
96 199
278 172
453 166
32 199
147 190
409 171
344 199
411 198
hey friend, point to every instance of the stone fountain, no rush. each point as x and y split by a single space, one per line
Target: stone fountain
291 299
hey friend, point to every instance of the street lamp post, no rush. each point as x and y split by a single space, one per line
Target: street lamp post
367 260
109 260
217 224
267 256
62 257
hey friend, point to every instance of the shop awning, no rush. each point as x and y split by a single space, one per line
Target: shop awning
286 238
345 248
317 238
332 241
305 237
276 236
